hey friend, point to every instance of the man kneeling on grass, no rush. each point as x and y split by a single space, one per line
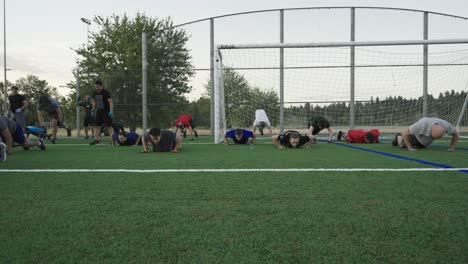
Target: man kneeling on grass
369 136
239 136
292 139
161 140
11 132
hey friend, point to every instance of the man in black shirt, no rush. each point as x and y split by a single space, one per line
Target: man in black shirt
18 105
103 110
317 124
292 139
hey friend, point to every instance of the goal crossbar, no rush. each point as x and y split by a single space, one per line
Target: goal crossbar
343 44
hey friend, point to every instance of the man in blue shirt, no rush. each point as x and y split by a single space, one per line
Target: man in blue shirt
239 136
126 138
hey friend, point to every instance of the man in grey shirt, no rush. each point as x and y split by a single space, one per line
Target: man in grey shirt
424 132
162 140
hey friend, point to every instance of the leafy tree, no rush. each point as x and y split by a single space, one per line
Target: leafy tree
114 56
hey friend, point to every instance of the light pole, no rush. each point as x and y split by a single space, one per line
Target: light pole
88 23
4 61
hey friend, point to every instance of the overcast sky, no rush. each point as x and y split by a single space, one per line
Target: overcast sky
42 34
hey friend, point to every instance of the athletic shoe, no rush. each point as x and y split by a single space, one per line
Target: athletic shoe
25 148
86 137
68 132
53 140
41 144
196 134
395 140
185 134
94 142
192 139
3 154
340 134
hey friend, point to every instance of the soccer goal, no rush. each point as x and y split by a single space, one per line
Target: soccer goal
382 84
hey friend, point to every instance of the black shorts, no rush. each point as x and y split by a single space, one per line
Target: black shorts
88 120
102 118
54 115
415 142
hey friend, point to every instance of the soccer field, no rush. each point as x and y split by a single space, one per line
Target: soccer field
235 204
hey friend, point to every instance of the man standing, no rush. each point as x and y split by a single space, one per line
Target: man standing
424 132
103 110
88 118
18 105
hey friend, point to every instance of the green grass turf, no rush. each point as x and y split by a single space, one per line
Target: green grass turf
308 217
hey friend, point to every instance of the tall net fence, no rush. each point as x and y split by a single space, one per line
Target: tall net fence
388 83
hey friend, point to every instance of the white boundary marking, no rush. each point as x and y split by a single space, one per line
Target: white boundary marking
240 170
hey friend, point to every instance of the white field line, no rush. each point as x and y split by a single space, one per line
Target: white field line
211 143
240 170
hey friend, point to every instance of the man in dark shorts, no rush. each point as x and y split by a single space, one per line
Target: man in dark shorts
18 106
319 123
239 136
184 122
292 139
10 132
102 109
52 108
88 121
424 132
161 140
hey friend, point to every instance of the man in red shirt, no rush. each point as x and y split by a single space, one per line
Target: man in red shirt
360 136
186 121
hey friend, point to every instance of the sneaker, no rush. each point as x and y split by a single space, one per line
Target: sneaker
3 154
25 148
68 132
94 142
185 134
196 134
41 144
192 139
53 140
395 140
86 137
340 134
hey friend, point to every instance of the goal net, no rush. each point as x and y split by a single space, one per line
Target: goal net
386 87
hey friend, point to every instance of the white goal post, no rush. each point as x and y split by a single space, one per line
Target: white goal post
345 57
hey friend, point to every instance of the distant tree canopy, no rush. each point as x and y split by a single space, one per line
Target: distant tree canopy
114 55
